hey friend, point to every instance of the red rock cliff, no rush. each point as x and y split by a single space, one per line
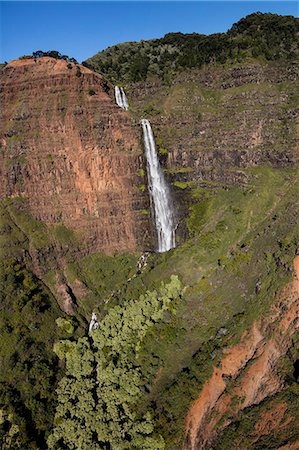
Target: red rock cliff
249 373
72 153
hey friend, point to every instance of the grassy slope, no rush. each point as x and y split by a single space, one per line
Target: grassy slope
238 236
233 248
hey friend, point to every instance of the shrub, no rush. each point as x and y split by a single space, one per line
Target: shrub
91 92
150 110
53 54
26 57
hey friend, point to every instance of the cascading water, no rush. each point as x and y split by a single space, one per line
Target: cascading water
125 100
121 98
159 192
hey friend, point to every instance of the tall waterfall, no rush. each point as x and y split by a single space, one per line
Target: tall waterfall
121 98
159 192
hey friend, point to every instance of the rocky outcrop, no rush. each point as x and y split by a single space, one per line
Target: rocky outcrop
248 373
72 154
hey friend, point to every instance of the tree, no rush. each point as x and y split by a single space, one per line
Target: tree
52 54
99 396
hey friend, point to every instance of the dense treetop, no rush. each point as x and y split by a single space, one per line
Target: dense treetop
51 53
105 381
267 36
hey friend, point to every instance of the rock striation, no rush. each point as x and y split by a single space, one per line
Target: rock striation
249 372
72 154
214 122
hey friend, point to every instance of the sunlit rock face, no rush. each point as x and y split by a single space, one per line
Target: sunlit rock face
72 153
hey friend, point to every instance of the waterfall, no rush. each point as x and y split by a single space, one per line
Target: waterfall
121 98
94 324
125 100
159 192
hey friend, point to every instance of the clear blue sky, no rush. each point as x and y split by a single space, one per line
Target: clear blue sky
80 29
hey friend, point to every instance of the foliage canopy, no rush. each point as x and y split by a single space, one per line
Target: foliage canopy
267 36
97 399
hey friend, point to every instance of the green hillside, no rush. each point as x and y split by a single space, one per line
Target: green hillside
239 237
262 36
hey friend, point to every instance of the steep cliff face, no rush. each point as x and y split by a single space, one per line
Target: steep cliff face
214 122
72 154
249 373
212 125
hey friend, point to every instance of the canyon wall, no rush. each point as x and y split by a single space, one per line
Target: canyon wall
213 122
77 158
250 373
72 154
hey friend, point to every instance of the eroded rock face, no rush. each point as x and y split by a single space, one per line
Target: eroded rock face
217 121
74 155
251 370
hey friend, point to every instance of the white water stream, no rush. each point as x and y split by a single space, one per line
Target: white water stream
159 192
121 98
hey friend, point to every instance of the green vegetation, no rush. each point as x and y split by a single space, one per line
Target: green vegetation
66 324
144 212
34 229
51 54
63 234
129 383
242 433
238 236
50 158
25 57
150 110
104 380
162 150
106 278
91 92
29 370
78 72
265 36
179 170
182 184
15 219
